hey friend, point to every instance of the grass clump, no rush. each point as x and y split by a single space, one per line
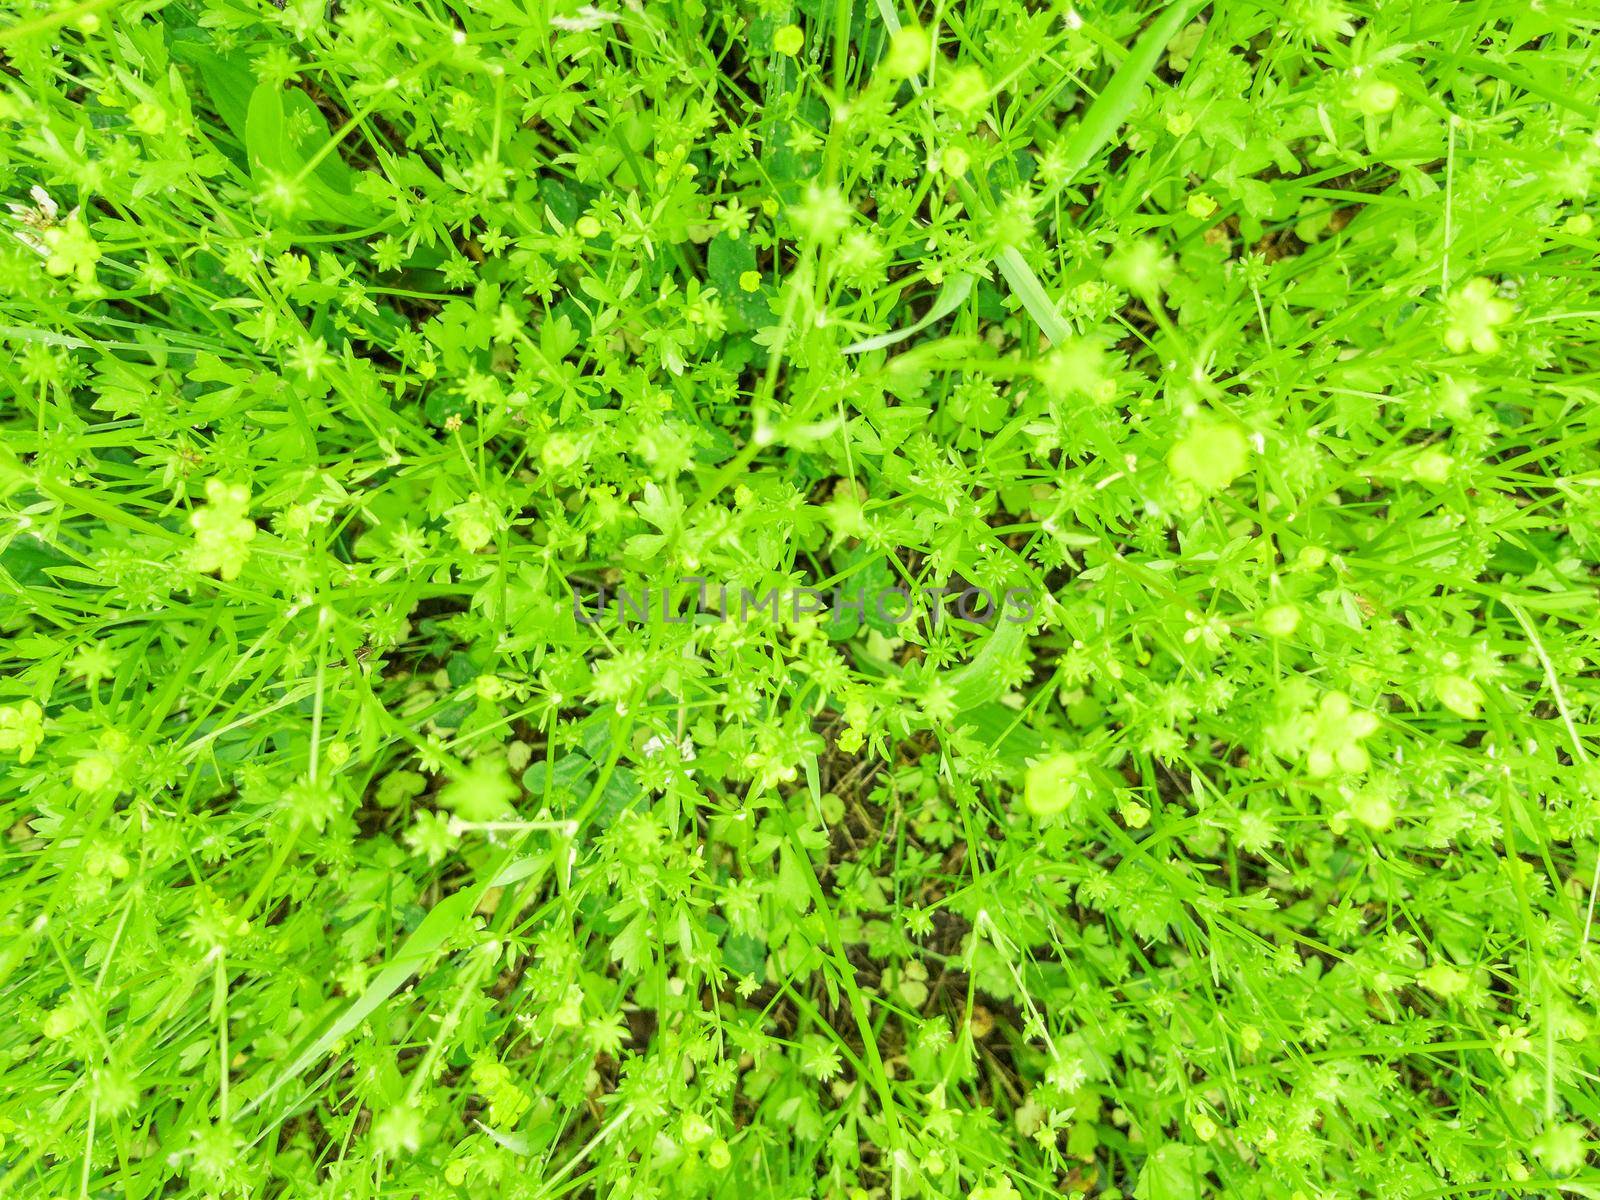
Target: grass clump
491 498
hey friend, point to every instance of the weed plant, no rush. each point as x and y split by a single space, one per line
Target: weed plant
1252 344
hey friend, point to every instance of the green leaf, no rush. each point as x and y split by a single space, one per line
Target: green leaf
952 295
284 131
728 258
984 678
227 79
1174 1172
744 955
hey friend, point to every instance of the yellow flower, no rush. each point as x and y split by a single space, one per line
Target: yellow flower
1473 312
1459 694
1376 97
1442 979
1211 455
223 529
1510 1042
1052 784
1280 620
910 52
21 729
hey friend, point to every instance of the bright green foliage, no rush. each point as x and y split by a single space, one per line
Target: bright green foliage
1248 347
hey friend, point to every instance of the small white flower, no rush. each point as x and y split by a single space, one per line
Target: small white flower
588 17
44 213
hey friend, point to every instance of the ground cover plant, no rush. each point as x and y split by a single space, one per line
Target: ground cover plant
455 456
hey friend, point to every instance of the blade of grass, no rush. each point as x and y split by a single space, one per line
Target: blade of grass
442 920
1116 100
951 296
1102 120
1025 286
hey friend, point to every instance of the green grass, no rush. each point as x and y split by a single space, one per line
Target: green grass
1248 348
